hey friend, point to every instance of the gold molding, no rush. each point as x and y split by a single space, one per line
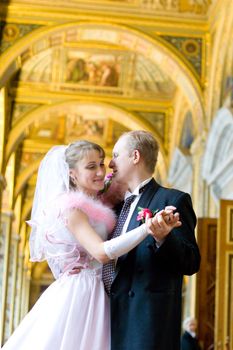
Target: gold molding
48 15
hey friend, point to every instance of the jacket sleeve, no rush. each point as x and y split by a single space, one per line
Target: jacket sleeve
180 251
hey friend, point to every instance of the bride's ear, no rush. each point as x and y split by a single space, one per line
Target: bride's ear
72 175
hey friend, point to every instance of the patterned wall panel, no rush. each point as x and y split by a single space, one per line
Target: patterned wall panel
11 32
191 48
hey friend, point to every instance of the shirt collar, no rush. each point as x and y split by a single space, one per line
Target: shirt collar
137 189
193 334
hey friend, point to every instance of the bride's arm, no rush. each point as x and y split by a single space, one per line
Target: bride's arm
102 251
78 224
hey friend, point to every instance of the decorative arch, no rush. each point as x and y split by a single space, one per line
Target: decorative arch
25 175
121 36
114 113
218 157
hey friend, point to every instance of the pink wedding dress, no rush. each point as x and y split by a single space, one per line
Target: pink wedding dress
73 312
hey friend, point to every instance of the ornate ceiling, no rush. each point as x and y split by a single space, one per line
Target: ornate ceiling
94 69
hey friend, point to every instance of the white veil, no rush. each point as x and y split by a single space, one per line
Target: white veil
52 181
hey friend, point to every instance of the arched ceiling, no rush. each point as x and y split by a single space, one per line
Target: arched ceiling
95 69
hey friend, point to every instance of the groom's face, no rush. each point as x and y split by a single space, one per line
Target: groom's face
121 162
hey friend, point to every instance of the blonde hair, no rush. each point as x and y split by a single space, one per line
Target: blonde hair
76 151
146 144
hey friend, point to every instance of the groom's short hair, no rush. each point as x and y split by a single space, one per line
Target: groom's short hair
146 144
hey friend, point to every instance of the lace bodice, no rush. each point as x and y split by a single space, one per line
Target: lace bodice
60 248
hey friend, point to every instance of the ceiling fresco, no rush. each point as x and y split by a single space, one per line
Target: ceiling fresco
103 68
118 72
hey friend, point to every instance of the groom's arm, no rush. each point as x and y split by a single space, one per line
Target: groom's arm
179 250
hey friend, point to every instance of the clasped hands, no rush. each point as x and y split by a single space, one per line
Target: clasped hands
162 223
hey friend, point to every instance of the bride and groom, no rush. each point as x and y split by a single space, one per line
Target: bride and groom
141 259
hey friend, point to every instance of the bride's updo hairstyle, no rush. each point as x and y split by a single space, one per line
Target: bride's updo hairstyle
76 151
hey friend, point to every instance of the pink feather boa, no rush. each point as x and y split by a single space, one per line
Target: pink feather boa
95 210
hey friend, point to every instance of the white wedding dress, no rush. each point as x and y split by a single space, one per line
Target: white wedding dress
73 312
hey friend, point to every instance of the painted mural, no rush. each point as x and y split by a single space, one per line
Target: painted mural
81 126
118 72
93 69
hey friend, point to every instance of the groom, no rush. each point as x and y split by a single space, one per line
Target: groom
146 290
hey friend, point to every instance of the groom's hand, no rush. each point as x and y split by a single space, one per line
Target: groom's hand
162 223
75 270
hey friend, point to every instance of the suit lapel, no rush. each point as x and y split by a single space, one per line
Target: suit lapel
144 202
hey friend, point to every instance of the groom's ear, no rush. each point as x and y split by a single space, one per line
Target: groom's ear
136 156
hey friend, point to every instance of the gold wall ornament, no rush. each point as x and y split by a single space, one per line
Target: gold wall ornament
10 32
124 7
133 40
192 49
195 6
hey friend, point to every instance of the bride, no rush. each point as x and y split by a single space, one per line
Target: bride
69 228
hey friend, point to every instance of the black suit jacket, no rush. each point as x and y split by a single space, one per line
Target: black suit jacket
189 343
146 290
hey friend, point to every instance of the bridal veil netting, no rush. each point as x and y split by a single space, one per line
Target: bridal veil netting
52 181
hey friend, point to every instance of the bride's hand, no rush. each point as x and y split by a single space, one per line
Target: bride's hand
162 223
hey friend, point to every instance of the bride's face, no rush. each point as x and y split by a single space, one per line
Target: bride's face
89 173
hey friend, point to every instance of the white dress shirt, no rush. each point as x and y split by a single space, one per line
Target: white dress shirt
135 202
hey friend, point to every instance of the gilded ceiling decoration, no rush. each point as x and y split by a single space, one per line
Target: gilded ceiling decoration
191 48
199 7
137 73
142 56
11 32
119 72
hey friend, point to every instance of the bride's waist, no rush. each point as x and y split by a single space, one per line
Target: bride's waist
85 272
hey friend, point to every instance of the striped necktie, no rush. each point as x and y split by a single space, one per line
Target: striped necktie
109 268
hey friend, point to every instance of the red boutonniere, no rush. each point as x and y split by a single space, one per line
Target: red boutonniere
144 212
